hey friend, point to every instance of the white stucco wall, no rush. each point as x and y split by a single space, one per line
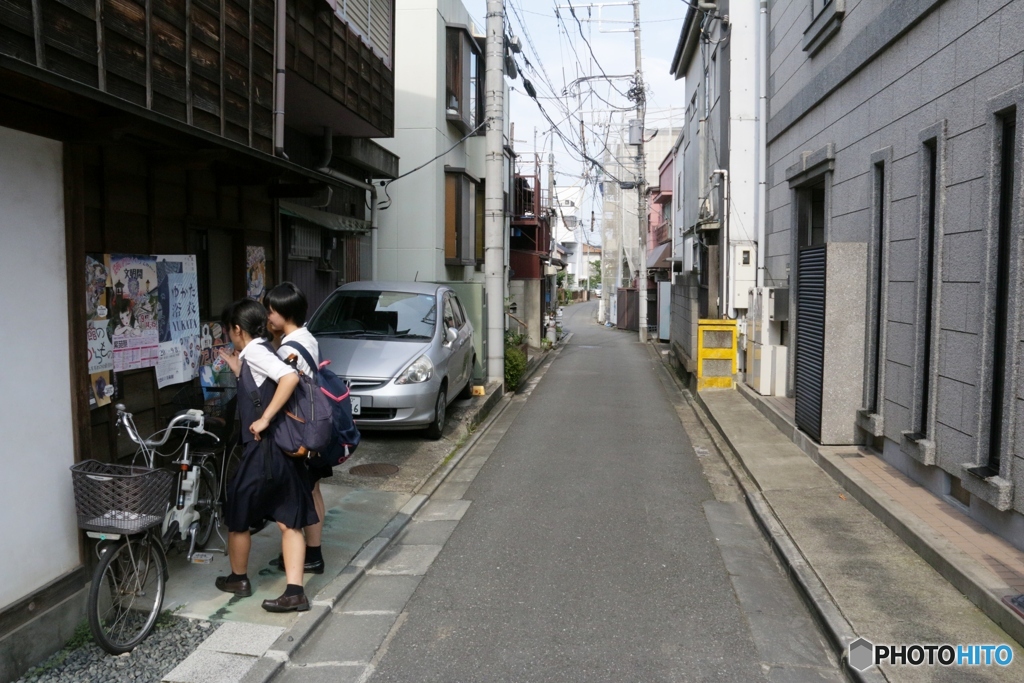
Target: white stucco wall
36 449
411 231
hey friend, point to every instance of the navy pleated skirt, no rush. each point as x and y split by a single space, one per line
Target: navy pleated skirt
269 485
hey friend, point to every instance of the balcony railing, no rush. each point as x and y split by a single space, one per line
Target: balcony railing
661 233
529 200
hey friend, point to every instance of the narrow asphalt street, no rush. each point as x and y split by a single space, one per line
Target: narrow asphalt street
585 541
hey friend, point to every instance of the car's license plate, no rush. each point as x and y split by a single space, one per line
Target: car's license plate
356 405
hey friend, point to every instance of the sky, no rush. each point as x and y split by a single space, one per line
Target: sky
558 54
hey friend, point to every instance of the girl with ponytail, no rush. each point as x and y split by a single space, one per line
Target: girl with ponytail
268 484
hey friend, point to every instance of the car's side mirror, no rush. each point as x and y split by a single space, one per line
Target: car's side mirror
450 336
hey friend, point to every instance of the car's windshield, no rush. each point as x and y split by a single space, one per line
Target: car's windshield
369 313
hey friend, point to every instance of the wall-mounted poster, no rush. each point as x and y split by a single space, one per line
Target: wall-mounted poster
215 376
255 272
170 369
101 389
100 347
133 327
178 321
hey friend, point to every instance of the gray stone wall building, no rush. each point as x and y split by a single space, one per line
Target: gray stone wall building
894 148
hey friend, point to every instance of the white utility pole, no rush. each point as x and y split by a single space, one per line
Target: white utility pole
641 106
494 197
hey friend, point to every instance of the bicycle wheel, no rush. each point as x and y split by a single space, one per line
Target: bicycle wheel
206 503
127 593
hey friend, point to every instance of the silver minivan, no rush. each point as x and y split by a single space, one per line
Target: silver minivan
405 348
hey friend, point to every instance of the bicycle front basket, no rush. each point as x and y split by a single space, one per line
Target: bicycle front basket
120 499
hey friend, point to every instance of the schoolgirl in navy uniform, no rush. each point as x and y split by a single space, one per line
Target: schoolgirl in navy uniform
286 319
268 483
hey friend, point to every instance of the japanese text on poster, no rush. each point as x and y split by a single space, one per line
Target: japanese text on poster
133 327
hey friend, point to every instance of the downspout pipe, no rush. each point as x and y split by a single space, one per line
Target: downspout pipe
279 73
726 309
324 166
762 143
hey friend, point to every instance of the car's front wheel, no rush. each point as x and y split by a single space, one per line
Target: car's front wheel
436 428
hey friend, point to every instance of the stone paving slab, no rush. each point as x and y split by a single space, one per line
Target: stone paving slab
437 511
346 638
380 594
324 673
406 560
242 638
205 666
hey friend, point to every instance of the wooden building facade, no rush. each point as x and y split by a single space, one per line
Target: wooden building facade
143 127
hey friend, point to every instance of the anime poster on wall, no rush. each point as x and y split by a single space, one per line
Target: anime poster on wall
255 272
100 352
133 327
215 376
178 319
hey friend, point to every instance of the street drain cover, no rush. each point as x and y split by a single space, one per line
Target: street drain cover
374 469
847 456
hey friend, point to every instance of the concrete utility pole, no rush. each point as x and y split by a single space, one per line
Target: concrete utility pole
494 197
641 106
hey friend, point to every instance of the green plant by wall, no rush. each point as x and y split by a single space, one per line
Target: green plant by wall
515 366
515 338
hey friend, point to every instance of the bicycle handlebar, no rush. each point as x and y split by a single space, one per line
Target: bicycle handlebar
192 416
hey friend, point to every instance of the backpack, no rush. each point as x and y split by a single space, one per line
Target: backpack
345 435
307 423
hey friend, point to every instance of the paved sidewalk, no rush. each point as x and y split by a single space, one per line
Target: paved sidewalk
359 510
988 550
864 580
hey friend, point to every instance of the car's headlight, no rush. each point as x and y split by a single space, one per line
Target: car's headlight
420 371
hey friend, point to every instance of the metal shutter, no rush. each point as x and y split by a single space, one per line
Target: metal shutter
810 339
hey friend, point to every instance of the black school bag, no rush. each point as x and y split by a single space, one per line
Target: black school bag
345 435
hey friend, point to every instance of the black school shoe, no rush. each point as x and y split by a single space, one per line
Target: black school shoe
285 603
242 588
316 567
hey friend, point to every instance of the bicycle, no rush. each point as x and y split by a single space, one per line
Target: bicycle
121 506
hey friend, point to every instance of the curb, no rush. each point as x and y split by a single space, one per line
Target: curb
274 659
540 358
948 560
837 629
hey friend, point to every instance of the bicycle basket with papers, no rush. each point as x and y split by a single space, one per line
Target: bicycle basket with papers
120 499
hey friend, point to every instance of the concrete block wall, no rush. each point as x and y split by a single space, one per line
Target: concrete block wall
683 331
892 71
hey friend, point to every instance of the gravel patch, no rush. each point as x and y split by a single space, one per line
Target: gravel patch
83 661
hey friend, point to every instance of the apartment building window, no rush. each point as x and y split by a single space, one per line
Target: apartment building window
463 222
826 18
479 217
878 276
819 6
464 76
1004 279
811 215
930 190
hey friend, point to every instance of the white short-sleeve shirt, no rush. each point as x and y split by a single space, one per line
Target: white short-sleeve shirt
306 340
263 363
